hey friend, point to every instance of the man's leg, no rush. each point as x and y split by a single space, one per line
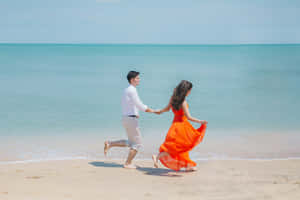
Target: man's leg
118 143
134 139
132 153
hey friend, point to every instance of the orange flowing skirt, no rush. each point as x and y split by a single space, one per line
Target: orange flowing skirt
181 138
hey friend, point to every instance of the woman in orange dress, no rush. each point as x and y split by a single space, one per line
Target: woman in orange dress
182 137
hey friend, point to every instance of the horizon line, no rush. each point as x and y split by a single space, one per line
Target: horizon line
180 44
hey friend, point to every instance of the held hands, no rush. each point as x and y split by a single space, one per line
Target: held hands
158 112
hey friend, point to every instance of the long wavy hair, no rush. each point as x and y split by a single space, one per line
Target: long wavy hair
179 94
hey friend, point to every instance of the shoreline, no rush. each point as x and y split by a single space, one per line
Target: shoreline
240 147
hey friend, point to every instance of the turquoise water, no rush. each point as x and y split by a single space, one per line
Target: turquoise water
73 91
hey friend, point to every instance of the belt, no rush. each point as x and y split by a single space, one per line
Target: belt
132 116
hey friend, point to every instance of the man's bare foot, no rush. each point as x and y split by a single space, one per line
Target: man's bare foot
154 158
106 147
129 166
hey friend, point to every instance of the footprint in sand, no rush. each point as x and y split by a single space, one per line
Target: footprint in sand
68 195
147 194
34 177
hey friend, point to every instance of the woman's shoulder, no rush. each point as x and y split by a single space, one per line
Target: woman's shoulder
185 103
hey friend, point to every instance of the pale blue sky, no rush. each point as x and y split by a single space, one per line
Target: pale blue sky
151 21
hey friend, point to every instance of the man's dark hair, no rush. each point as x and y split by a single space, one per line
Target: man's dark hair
131 75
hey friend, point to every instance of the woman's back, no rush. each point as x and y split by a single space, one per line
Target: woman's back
178 114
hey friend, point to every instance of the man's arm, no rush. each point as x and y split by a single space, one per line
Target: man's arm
149 110
139 104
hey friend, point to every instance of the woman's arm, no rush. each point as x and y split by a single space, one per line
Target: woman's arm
165 109
188 115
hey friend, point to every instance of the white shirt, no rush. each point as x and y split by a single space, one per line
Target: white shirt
131 103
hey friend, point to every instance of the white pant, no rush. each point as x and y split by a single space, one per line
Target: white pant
131 126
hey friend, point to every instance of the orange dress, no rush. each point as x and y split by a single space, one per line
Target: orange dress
181 138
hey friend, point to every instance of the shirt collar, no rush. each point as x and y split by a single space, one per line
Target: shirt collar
131 86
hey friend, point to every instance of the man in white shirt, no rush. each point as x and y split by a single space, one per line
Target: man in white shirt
131 105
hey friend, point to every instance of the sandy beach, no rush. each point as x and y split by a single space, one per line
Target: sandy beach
106 179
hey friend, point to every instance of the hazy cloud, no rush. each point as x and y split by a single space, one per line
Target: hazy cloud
108 1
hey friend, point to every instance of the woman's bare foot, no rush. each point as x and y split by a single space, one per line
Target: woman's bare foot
106 147
191 169
154 158
129 166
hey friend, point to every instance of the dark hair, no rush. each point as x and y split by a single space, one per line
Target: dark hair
179 94
132 74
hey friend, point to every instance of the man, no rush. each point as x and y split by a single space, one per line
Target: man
131 104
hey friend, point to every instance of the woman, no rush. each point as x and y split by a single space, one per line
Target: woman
182 137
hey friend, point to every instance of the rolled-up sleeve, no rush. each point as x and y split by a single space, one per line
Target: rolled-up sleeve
137 101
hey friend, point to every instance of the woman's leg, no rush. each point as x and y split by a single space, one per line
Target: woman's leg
156 158
191 169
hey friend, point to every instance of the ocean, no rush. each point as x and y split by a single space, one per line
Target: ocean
62 101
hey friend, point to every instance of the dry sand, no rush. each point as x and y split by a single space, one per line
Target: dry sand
83 179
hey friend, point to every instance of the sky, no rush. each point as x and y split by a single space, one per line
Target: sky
150 22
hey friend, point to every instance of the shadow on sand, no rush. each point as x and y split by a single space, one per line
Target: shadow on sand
105 164
145 170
